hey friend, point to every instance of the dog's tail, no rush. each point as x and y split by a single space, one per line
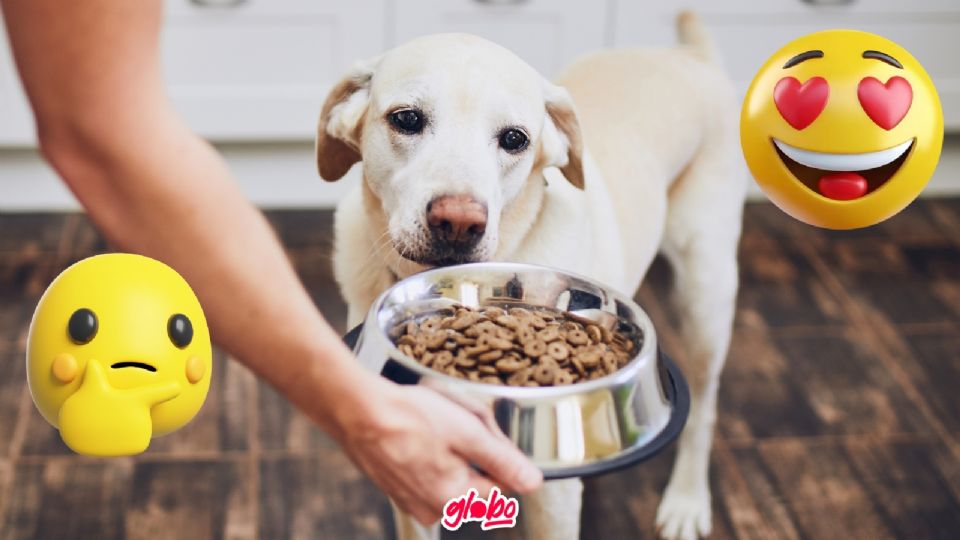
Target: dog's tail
693 34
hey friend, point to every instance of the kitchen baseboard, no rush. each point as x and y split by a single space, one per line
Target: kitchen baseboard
283 175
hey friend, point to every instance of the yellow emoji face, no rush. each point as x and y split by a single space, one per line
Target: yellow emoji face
118 352
842 129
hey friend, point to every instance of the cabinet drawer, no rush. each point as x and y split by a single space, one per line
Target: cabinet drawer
547 34
259 69
749 31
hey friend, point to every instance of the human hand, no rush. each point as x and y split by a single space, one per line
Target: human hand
417 445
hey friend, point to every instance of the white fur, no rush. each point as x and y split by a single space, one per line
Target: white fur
661 126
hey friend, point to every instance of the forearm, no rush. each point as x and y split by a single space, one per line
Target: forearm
91 72
171 197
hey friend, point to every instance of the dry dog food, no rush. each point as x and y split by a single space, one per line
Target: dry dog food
517 346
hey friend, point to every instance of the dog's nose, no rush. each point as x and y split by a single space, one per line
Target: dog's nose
459 221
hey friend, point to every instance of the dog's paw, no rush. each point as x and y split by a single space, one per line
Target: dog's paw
684 516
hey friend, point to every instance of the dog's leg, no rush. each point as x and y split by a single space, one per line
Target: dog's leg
411 529
553 512
703 230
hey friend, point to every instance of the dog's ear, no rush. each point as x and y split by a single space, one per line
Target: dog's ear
341 119
562 144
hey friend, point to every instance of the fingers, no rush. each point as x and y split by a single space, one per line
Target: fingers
95 376
497 456
157 393
427 513
481 483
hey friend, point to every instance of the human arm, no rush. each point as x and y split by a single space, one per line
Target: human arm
91 72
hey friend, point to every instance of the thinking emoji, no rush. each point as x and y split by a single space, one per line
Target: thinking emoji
118 353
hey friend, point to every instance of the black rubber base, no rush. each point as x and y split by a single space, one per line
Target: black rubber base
677 393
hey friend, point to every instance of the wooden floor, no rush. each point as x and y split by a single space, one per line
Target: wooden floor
839 410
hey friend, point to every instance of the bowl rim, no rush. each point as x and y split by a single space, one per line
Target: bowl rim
624 375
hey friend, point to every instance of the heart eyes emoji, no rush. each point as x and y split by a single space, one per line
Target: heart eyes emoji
885 104
801 104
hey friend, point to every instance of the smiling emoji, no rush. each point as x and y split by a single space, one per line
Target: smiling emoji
842 129
118 353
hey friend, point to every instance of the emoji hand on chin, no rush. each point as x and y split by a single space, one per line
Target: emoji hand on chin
100 420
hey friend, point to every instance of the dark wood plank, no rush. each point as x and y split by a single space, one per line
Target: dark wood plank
304 228
758 396
6 488
282 427
30 231
946 213
817 440
323 496
900 281
67 499
934 367
780 287
906 487
811 385
41 438
223 422
916 221
13 380
850 392
24 502
315 269
822 491
186 499
624 504
80 240
746 491
23 278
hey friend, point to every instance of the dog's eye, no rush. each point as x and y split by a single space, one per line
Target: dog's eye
82 326
513 140
407 120
180 330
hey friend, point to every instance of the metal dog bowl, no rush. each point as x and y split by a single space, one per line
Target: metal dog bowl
581 429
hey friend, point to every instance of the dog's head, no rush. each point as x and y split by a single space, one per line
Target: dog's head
450 129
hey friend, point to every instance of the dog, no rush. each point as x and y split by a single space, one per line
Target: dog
468 154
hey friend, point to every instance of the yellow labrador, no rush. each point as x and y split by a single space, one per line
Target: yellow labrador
470 155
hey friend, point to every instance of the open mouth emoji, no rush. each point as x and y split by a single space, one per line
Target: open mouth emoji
841 129
843 177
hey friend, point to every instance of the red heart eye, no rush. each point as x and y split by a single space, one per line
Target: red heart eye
800 104
885 104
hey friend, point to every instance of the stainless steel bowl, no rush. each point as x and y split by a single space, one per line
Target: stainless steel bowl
575 430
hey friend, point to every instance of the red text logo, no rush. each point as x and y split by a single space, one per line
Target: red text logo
495 512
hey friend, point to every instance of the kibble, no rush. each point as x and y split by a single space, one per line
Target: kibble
515 345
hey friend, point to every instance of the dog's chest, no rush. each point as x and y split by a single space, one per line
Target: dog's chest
576 231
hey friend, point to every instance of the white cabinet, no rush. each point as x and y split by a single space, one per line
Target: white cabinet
16 120
749 31
259 69
241 69
545 33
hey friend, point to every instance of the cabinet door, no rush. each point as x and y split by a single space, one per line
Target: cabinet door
16 120
749 31
259 69
545 33
241 69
